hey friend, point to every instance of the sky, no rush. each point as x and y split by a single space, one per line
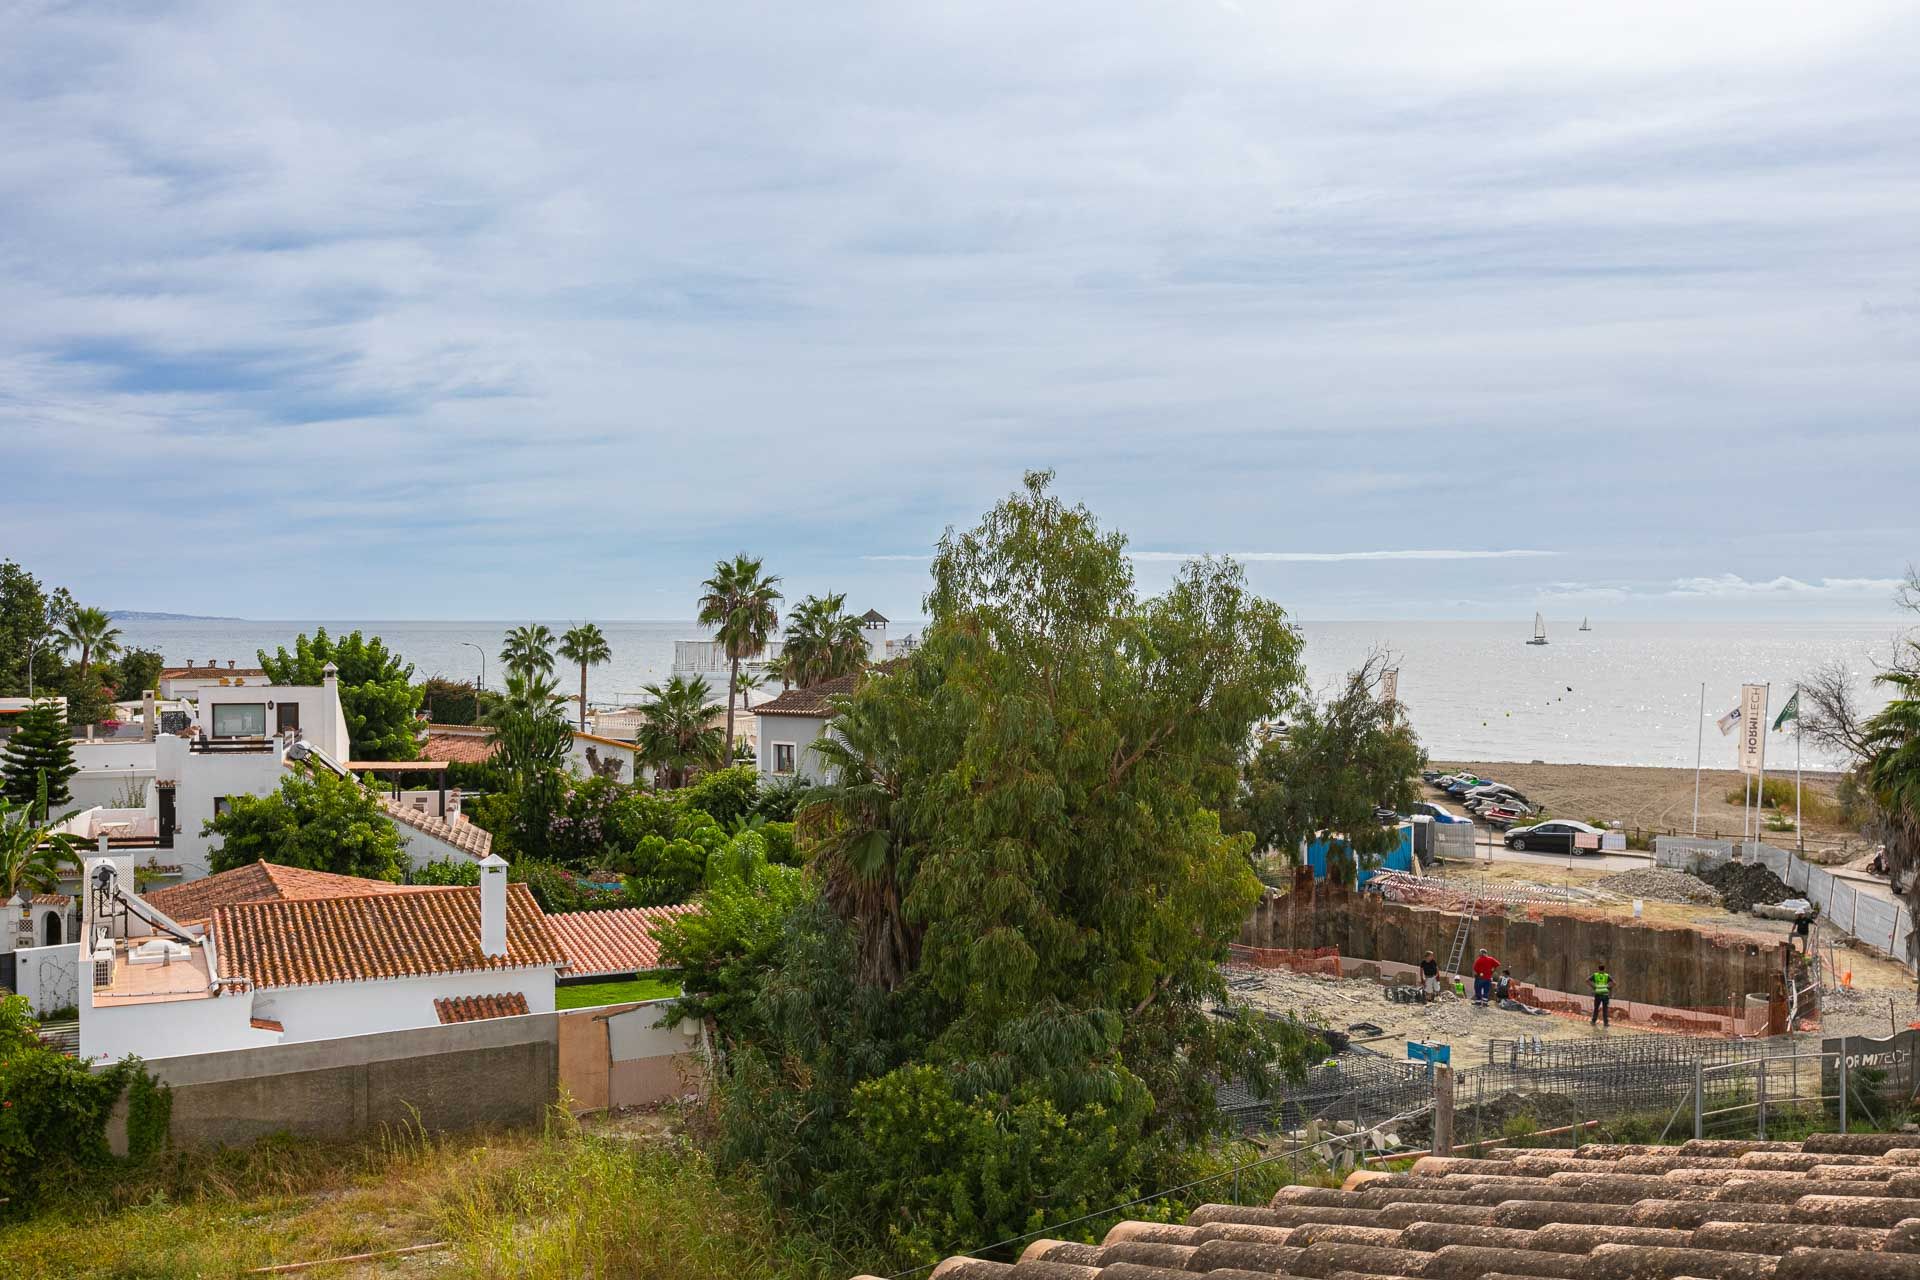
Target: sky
489 310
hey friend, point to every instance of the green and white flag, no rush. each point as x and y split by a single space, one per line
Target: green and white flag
1789 712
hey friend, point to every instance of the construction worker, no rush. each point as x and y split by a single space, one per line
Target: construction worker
1503 985
1429 977
1602 983
1484 967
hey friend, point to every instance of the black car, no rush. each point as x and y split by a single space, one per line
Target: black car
1555 836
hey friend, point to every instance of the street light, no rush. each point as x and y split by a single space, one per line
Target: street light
32 645
483 677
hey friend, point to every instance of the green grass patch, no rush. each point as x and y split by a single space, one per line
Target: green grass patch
623 991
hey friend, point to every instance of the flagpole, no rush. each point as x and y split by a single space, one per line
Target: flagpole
1760 792
1798 830
1699 747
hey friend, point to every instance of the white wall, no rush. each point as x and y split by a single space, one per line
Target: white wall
321 720
166 1028
49 977
577 759
105 768
201 778
333 1009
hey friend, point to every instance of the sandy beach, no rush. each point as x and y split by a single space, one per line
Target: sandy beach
1655 799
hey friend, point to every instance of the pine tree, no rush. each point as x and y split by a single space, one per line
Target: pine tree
39 748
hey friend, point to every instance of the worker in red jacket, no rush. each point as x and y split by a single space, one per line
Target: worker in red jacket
1483 970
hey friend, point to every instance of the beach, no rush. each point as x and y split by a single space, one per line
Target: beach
1656 799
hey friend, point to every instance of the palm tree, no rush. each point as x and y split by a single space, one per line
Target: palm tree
31 854
585 645
528 725
1892 772
676 729
529 648
748 682
739 604
823 641
90 631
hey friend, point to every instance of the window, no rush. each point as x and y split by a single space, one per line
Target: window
288 717
222 805
783 757
239 719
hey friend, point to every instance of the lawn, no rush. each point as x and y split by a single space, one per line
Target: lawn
622 991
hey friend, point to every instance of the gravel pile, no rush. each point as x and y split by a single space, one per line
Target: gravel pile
1741 884
1662 885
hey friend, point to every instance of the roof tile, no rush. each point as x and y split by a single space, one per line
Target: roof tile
607 942
386 935
508 1004
464 836
260 882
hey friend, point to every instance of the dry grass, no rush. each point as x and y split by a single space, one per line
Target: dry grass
557 1204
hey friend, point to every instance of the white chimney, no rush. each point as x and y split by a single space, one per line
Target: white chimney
329 675
149 722
493 905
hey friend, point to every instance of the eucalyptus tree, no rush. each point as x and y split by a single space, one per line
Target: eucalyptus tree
586 645
740 602
822 641
529 648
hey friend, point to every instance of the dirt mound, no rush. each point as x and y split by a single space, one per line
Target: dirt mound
1741 884
1661 884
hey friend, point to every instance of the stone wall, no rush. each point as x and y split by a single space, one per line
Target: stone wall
1657 964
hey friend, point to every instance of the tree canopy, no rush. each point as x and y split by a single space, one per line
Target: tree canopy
822 641
36 763
1337 762
28 615
1025 893
315 820
740 601
585 645
529 649
676 731
377 695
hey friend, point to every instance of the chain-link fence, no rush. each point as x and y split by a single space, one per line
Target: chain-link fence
1879 922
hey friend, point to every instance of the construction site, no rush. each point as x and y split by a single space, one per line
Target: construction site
1703 990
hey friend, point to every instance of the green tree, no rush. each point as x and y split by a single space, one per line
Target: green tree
32 855
739 603
727 794
676 730
315 820
137 671
822 641
586 646
529 649
37 762
1336 764
532 733
1026 895
455 701
377 693
92 633
1891 740
28 615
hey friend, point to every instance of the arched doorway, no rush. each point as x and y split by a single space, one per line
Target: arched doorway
50 930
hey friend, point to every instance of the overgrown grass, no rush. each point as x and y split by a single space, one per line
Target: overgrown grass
588 994
562 1203
1777 795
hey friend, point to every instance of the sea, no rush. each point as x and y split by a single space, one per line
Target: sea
1625 693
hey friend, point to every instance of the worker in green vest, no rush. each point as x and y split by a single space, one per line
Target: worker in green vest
1602 983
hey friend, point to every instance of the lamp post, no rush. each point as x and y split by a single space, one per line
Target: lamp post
483 677
32 646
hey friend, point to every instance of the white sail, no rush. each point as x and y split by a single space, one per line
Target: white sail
1539 630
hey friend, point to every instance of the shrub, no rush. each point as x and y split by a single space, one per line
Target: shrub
315 821
727 794
780 800
444 871
662 870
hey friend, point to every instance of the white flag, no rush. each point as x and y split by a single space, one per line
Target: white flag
1753 728
1727 721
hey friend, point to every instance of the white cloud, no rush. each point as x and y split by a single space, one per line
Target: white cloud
1733 585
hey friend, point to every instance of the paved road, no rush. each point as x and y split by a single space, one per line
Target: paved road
1490 843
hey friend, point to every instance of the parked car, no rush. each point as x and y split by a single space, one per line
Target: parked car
1549 837
1439 812
1500 816
1497 790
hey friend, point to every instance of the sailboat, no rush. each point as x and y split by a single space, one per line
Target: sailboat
1539 630
1584 626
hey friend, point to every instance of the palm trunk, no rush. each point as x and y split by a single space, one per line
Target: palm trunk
583 697
733 688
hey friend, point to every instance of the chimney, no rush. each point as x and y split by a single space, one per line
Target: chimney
329 675
229 664
493 905
149 721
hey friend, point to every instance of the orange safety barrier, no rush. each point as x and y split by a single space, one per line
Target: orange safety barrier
1714 1021
1324 960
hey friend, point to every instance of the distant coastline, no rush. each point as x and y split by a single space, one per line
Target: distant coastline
141 615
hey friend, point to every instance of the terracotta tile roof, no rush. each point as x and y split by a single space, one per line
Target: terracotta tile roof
463 836
260 882
817 699
477 1008
51 900
266 1024
385 935
459 748
873 615
621 941
1838 1207
174 673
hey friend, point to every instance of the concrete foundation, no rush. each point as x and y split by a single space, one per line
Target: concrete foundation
1551 948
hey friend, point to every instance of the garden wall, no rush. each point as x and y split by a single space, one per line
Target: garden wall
1551 948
